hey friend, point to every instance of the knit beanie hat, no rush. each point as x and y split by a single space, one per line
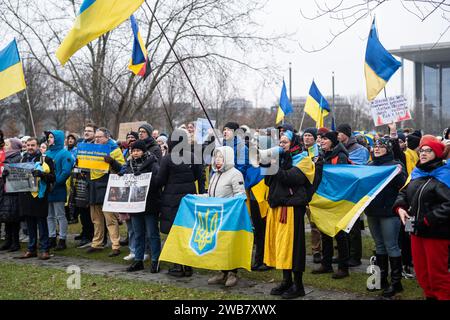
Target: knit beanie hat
432 142
321 132
231 125
401 136
384 142
139 144
413 140
312 131
345 129
134 134
147 127
332 136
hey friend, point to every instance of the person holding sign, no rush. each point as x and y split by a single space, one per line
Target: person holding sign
9 202
97 189
145 224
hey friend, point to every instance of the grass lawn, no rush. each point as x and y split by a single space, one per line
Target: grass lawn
24 282
356 283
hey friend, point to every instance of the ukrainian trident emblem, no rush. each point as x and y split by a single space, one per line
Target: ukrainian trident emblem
208 219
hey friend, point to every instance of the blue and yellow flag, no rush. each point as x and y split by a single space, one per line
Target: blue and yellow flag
304 162
316 106
12 79
254 181
379 66
344 193
285 106
96 17
210 233
139 63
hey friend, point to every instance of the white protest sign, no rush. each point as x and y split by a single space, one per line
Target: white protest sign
20 178
127 193
202 129
392 109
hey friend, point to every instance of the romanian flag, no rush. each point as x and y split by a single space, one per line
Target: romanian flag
12 79
285 106
316 106
139 64
210 233
379 66
344 193
96 17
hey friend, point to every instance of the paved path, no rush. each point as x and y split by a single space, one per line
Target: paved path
256 289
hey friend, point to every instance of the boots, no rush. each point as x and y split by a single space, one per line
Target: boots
177 270
382 261
297 289
51 242
396 277
188 271
61 245
284 285
14 229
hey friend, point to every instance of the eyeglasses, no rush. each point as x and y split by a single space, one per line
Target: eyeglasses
426 151
88 130
142 131
99 137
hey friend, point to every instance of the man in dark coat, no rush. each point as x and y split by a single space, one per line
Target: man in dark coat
35 207
145 133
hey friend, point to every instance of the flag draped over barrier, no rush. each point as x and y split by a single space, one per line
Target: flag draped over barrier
210 233
344 193
12 79
96 17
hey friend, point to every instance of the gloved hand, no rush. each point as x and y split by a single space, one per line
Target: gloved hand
120 174
108 159
37 173
5 173
137 173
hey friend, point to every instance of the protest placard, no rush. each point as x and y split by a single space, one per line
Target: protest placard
20 178
90 156
392 109
127 193
126 127
202 129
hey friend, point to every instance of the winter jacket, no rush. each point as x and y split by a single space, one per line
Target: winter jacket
9 202
241 157
382 205
153 147
177 180
339 155
63 162
289 186
427 199
357 153
228 181
36 207
98 180
148 163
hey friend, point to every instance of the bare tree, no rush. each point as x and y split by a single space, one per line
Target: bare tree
348 13
198 29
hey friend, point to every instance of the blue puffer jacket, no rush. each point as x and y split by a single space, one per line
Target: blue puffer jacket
63 166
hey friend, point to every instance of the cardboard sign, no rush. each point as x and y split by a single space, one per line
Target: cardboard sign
392 109
90 156
126 127
202 129
20 178
127 193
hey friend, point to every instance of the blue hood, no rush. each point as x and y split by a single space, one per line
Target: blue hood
112 144
59 140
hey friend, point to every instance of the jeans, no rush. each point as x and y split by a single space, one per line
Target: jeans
56 212
146 224
34 224
131 239
385 232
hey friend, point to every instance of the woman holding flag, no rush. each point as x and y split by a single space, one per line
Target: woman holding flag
290 191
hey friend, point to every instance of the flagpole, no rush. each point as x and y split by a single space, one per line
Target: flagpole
165 108
332 109
31 113
303 118
184 71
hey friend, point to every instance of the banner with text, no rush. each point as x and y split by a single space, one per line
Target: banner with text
127 193
20 178
90 156
392 109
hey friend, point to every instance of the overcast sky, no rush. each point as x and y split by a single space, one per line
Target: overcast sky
396 28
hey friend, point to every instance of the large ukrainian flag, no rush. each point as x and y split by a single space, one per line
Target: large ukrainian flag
344 193
139 63
254 181
379 66
317 106
96 17
285 106
12 79
210 233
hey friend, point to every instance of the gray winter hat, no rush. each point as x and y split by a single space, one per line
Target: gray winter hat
147 127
